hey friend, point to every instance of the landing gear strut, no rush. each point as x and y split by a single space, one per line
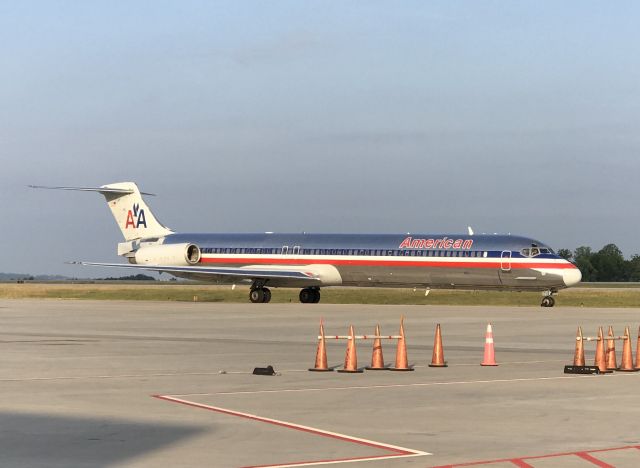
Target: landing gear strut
259 293
547 301
310 295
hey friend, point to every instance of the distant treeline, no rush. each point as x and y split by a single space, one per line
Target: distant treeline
27 277
138 277
607 264
30 277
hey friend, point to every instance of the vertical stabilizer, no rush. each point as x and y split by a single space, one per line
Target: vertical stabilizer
134 218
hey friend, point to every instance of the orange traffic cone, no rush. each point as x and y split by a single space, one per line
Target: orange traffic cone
437 359
321 353
638 351
402 362
351 358
600 361
489 351
610 353
627 354
377 361
578 359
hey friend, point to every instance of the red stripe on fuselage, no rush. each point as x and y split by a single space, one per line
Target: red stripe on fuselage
381 263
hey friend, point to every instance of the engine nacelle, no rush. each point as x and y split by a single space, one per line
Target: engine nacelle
167 254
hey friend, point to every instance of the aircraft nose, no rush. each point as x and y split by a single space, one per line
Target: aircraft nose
571 276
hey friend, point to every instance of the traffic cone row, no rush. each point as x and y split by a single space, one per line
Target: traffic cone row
605 355
402 361
351 357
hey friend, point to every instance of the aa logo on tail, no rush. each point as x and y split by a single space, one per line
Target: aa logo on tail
135 218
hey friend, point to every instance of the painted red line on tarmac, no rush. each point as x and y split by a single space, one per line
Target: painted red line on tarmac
521 463
594 460
395 452
582 454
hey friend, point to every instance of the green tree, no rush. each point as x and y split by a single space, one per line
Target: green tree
582 257
634 268
609 264
566 254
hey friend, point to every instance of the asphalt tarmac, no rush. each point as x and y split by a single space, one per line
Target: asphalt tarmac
150 384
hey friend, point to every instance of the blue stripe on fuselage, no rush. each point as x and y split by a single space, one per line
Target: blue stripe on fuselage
493 244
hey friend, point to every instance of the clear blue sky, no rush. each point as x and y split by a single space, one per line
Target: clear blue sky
519 117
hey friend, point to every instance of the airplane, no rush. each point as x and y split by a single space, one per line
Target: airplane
313 261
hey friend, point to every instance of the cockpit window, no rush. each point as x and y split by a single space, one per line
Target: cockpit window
534 251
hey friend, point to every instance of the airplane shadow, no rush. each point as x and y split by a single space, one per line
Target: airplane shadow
45 440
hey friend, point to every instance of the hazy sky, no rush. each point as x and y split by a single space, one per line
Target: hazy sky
325 116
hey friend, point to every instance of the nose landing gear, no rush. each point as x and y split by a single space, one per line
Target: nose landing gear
548 300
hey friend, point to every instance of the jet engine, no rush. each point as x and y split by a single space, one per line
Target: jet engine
167 254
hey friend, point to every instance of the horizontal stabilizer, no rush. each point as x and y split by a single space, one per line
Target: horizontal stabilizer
102 190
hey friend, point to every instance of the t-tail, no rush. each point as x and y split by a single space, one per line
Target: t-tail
134 218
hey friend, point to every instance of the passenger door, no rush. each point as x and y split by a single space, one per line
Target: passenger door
506 277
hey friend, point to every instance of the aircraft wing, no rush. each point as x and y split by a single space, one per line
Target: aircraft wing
248 273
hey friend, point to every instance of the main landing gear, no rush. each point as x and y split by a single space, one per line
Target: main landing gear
548 300
310 295
259 293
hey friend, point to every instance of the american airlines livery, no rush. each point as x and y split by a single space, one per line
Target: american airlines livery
312 261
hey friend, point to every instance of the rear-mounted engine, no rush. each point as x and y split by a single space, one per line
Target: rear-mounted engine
167 254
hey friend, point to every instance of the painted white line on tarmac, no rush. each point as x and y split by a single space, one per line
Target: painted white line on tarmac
418 384
397 452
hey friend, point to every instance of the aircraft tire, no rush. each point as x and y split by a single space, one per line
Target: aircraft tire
307 296
256 295
316 296
548 301
267 295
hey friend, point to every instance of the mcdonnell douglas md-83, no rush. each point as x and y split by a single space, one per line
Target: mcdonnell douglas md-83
312 261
